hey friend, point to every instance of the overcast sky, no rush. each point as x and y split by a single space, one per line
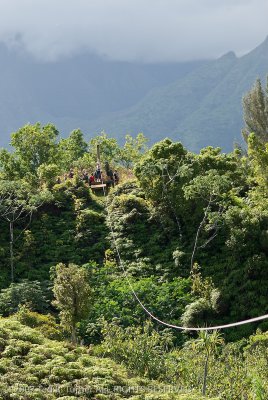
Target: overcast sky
143 30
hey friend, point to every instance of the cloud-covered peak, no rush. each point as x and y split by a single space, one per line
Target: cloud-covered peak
151 30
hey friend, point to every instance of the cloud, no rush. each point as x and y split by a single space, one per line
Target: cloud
150 30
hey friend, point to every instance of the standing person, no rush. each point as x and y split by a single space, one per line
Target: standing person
110 175
85 176
98 172
107 168
71 174
91 179
111 178
116 177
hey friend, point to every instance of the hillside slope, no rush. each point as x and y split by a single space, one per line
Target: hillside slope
200 109
198 102
73 91
35 367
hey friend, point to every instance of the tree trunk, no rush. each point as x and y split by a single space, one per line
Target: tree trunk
73 335
202 223
11 250
205 377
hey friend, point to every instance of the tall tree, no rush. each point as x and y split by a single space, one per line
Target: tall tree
255 104
18 202
133 149
110 150
72 148
207 343
15 206
34 145
210 190
72 294
258 156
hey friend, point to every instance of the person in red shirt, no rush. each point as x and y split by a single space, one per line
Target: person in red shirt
91 179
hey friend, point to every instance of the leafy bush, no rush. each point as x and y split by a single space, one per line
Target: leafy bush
140 349
198 313
56 370
113 298
46 324
24 292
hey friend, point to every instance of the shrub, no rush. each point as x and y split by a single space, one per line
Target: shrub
46 324
197 313
140 349
24 292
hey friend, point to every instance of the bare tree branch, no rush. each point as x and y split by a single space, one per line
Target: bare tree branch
202 223
165 191
13 209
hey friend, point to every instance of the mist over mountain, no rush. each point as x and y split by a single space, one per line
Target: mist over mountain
72 92
197 102
202 108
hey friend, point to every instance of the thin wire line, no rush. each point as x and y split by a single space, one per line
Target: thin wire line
182 328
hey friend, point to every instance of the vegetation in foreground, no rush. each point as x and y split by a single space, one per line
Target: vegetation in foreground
191 230
35 367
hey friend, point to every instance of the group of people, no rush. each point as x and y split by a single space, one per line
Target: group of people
110 177
66 176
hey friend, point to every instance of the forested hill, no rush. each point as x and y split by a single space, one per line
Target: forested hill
203 108
198 103
192 233
73 91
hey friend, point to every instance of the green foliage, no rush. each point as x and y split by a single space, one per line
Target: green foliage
47 174
34 145
14 197
182 210
255 104
258 388
34 366
24 292
201 287
198 313
208 343
90 233
164 158
179 198
67 225
38 157
46 324
138 232
127 155
142 350
72 149
258 155
113 298
209 187
235 370
213 201
110 150
133 149
72 295
205 308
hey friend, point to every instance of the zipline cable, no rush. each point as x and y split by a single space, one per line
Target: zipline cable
181 328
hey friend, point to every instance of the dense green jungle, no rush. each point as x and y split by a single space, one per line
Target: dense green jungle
187 232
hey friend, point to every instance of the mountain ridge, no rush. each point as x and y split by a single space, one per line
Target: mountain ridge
198 103
215 119
71 92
